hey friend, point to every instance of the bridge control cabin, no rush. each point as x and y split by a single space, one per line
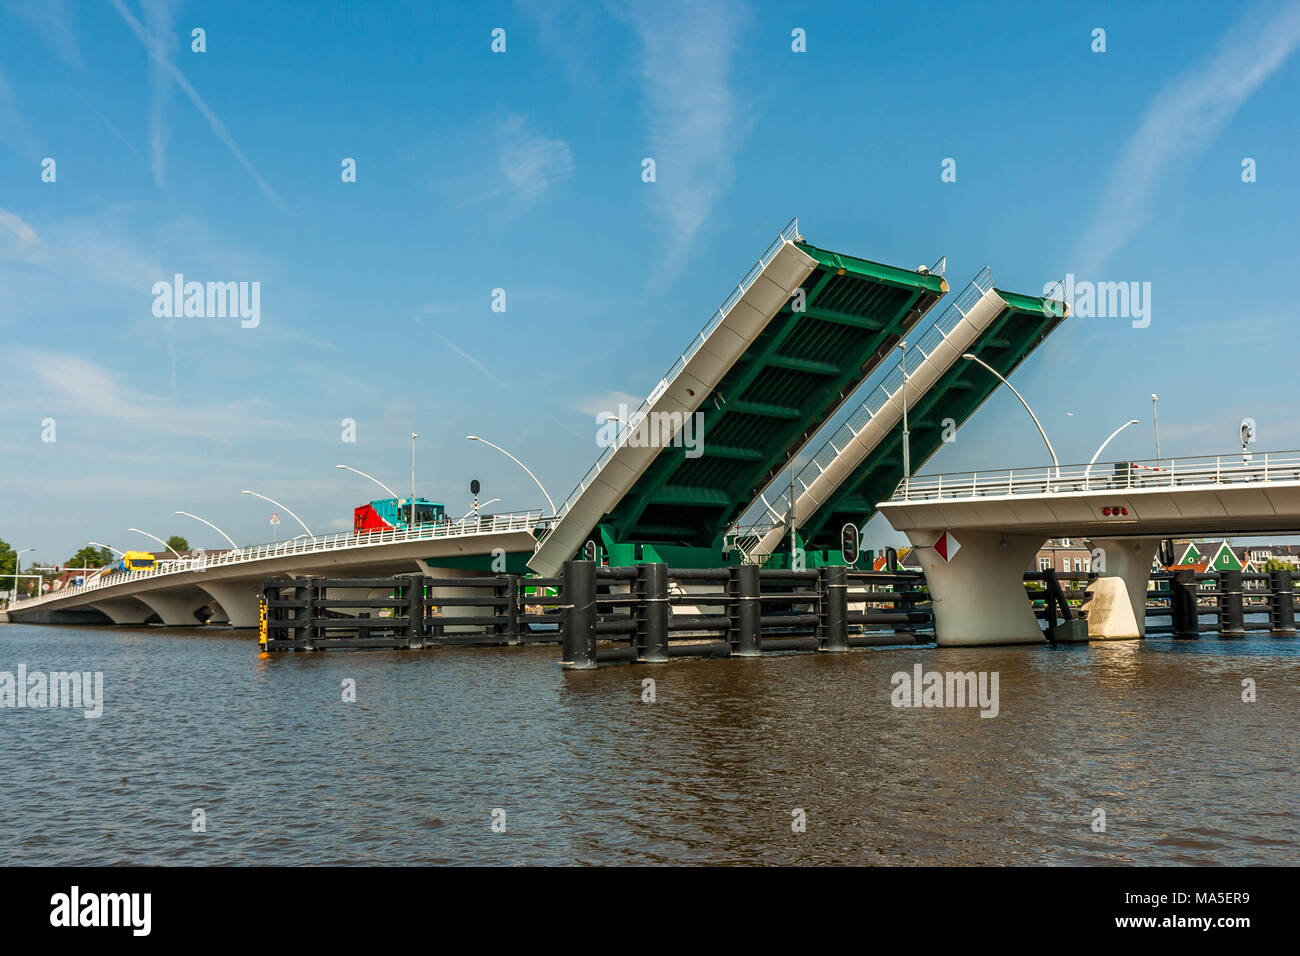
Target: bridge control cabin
394 514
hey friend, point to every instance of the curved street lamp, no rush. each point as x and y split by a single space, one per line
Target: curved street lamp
517 462
278 505
1051 451
1088 470
213 527
100 544
358 471
159 540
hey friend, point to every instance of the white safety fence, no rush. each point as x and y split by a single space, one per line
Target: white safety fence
1108 476
303 545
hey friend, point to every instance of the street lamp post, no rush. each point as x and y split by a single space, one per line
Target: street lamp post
17 562
213 527
100 544
278 505
1155 413
414 436
1097 454
519 463
907 444
159 540
1051 451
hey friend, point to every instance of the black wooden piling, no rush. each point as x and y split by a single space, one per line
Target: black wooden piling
1182 601
745 610
1232 619
579 646
833 630
1281 603
652 629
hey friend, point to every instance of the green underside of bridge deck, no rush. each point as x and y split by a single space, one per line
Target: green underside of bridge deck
790 380
1007 342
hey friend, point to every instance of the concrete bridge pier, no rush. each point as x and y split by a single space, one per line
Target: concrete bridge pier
979 595
176 609
123 610
1117 599
238 599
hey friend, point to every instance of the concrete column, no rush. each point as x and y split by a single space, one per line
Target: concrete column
176 608
237 599
979 596
125 610
1117 599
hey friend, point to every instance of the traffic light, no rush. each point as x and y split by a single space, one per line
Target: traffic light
850 544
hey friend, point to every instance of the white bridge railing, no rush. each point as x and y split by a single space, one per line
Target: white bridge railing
1106 476
349 540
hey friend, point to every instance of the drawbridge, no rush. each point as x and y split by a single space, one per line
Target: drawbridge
862 462
779 361
785 351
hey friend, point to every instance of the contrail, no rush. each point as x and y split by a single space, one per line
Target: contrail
217 126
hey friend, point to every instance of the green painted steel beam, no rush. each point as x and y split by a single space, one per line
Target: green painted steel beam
803 365
766 409
735 452
688 495
844 318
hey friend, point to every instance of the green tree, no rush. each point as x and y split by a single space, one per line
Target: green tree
7 559
178 543
89 557
1275 564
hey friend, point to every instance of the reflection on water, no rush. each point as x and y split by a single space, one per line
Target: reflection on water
1155 733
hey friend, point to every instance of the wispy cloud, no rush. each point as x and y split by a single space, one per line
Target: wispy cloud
693 131
1182 120
18 235
530 161
504 157
50 19
75 387
159 47
473 361
13 130
606 403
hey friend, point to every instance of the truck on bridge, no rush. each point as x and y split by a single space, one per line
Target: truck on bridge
395 514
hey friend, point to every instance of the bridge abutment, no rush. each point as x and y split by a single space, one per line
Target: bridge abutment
979 596
1117 599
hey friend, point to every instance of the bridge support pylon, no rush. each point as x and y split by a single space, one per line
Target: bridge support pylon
979 595
123 610
1117 598
237 599
176 610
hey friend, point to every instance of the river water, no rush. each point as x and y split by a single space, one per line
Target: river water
1153 733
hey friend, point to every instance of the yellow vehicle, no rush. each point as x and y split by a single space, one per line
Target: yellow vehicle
136 561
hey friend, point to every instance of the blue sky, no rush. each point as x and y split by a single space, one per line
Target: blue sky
522 171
